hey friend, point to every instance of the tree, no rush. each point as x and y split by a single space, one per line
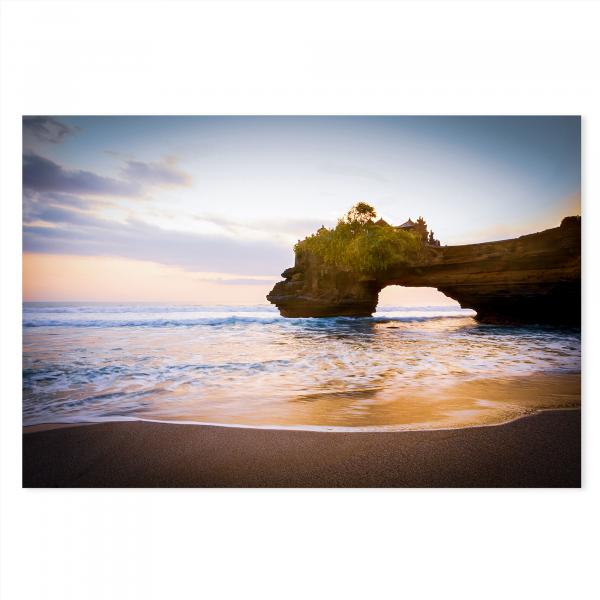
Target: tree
359 245
361 214
421 229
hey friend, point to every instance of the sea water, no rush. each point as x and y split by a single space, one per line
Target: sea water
403 368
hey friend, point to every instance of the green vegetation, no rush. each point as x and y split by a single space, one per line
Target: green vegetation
358 244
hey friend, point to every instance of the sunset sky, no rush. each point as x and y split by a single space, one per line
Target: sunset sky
207 209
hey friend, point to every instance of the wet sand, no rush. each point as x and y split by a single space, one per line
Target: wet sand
541 450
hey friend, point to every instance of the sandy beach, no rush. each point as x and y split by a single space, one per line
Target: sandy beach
541 450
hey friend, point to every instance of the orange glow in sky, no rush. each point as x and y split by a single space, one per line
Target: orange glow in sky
48 278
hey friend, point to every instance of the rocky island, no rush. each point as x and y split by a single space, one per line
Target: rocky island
534 278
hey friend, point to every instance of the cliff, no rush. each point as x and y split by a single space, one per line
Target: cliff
535 278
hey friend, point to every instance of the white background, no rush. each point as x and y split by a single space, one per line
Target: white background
294 58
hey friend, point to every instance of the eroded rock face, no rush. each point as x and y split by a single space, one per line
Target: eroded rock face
535 278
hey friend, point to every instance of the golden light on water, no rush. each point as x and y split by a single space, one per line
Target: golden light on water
404 370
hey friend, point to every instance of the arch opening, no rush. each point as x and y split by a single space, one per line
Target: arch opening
413 297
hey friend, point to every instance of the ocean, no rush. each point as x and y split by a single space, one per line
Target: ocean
403 368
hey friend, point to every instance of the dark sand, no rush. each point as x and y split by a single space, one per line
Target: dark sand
542 450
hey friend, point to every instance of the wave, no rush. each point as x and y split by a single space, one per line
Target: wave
145 322
108 315
233 320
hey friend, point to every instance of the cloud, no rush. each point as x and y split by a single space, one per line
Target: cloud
46 129
58 216
35 204
66 200
298 228
82 234
163 173
44 175
239 281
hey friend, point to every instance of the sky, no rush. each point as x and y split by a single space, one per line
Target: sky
207 209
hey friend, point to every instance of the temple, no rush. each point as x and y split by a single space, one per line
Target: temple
419 228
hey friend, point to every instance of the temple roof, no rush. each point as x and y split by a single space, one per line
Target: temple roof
407 224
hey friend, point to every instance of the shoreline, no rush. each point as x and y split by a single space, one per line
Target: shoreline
542 449
39 427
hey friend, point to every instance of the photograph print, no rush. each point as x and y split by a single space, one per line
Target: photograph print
301 301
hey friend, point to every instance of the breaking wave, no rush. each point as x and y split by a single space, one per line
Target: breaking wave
193 316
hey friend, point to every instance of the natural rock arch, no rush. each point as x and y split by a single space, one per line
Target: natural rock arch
533 278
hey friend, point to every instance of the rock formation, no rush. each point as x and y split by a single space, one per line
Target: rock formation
535 278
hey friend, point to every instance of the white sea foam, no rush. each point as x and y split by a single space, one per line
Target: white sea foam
143 315
249 365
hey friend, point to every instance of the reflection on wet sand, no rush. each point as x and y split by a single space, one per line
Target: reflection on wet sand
469 403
